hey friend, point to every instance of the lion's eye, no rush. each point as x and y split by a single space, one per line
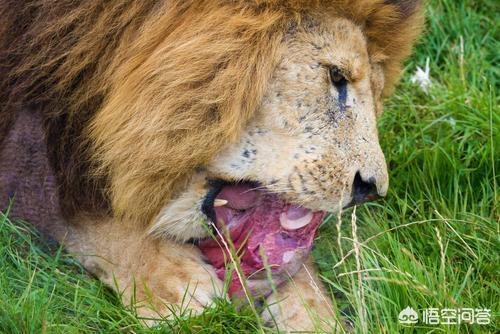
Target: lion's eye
337 78
340 83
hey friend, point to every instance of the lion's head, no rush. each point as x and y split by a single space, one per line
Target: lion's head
314 137
161 104
312 141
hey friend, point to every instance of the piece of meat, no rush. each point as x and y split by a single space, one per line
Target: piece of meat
272 238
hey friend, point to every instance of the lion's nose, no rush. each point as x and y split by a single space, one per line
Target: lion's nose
364 190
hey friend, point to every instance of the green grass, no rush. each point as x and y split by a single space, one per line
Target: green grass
433 243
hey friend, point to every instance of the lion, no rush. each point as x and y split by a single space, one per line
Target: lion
122 121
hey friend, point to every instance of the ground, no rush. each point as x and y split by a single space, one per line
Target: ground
433 243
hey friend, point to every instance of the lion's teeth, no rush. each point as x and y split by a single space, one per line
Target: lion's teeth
219 202
295 224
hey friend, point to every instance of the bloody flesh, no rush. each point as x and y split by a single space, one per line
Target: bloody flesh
270 236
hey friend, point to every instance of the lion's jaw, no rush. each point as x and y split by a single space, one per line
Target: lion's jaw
310 137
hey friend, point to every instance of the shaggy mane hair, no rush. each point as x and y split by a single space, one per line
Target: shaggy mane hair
137 94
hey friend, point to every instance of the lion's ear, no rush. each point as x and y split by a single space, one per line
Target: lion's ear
391 28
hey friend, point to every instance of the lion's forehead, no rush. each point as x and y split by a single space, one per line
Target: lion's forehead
300 99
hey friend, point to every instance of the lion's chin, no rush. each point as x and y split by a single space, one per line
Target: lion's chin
267 232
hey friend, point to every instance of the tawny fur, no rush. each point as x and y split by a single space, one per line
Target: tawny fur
139 93
155 277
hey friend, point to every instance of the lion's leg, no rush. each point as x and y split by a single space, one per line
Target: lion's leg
302 304
156 276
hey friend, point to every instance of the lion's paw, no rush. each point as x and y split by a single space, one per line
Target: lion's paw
172 281
302 305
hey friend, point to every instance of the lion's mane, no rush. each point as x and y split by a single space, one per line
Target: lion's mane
137 94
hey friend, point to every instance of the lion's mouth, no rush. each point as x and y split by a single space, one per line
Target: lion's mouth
265 230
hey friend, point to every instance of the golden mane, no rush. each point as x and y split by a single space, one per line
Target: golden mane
137 94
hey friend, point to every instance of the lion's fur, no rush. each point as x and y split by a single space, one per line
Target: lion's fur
137 94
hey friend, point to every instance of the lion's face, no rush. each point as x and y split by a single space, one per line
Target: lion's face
314 140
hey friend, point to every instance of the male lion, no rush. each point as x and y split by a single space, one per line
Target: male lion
122 121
